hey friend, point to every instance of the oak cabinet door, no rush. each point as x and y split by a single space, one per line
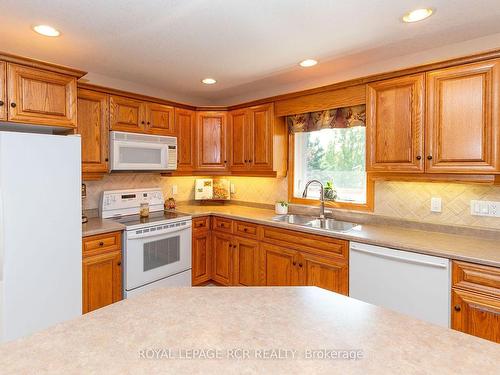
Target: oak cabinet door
261 137
280 265
41 97
246 262
476 314
160 119
3 92
127 114
323 273
395 115
185 121
201 258
222 258
211 138
102 280
93 126
462 134
240 139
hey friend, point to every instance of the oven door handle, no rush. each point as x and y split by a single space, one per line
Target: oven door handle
134 235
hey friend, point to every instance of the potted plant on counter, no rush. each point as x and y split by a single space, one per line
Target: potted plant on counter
281 208
330 191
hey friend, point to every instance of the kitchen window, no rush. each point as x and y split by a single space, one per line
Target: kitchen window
330 146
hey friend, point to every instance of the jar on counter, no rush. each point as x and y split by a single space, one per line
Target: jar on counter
144 210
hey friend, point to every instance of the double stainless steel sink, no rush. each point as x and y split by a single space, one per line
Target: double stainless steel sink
313 222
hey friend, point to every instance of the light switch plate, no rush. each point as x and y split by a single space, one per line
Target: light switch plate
485 208
436 204
174 189
233 189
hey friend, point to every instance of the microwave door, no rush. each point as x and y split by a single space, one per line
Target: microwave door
139 156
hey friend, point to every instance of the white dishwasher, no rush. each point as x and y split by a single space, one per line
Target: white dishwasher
414 284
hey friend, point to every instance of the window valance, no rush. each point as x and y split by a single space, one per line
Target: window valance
345 117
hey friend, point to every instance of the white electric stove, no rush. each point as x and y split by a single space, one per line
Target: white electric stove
157 249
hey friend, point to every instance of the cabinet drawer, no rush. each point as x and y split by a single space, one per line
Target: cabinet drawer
319 245
101 243
476 277
201 223
244 229
222 224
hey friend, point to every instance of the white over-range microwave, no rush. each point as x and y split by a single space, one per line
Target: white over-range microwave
142 152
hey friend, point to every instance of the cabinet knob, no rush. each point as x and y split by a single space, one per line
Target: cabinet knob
300 264
457 308
119 263
294 263
250 160
1 103
106 159
246 161
142 122
245 229
429 157
419 157
101 243
13 105
148 122
225 161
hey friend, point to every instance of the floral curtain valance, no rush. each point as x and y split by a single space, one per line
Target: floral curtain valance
346 117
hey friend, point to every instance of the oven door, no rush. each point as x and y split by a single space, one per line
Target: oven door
156 255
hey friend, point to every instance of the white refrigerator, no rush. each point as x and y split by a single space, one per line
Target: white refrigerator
40 232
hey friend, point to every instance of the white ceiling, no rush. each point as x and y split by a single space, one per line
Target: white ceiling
249 46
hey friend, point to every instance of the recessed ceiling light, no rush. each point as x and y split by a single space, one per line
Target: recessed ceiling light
417 15
308 63
208 81
46 30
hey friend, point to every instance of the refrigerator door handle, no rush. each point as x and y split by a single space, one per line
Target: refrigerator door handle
401 259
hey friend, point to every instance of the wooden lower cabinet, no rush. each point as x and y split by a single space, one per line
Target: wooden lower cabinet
201 251
101 274
323 273
287 267
476 314
475 300
222 248
245 262
280 265
247 254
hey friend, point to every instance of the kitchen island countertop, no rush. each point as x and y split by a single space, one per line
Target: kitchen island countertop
211 330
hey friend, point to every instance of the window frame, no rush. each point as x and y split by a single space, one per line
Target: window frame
370 191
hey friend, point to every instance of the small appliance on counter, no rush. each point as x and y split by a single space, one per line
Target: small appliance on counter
208 189
156 246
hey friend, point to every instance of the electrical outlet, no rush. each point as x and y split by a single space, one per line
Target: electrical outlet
233 189
436 204
174 189
485 208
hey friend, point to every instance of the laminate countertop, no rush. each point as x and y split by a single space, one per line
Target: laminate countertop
458 247
96 225
211 330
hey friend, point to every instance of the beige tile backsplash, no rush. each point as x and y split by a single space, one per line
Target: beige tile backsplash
404 200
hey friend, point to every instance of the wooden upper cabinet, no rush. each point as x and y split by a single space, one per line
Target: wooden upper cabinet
395 118
160 119
240 139
261 137
211 140
3 92
126 114
41 97
93 126
462 134
185 121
